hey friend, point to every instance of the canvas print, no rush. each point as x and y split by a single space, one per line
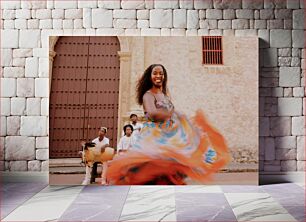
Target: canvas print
154 110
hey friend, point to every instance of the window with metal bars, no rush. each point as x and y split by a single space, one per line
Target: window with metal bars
212 50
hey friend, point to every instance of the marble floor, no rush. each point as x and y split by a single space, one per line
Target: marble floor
41 202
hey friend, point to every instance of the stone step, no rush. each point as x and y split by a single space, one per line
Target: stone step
65 162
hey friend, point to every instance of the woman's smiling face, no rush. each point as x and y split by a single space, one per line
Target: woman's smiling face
157 76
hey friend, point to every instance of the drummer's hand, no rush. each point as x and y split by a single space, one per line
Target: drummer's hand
103 150
83 143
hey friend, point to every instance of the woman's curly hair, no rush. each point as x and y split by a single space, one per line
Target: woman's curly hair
145 83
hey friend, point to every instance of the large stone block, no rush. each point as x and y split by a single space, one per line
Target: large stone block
124 14
13 72
42 142
65 4
31 67
13 125
269 149
125 23
166 4
298 126
252 4
33 106
289 76
264 38
8 14
22 53
9 38
298 92
43 14
275 24
288 165
6 57
192 19
229 14
280 38
301 148
33 4
102 18
264 126
18 166
41 87
301 166
203 4
58 13
45 165
8 24
3 126
142 24
245 13
45 24
23 13
10 4
45 107
132 4
208 24
73 13
5 106
143 14
29 38
19 148
224 24
240 24
87 18
25 87
214 14
280 126
8 87
33 126
227 4
186 4
285 142
270 57
160 18
293 4
18 106
179 18
2 142
19 62
42 154
289 106
34 165
298 19
109 4
87 4
285 154
298 38
20 23
43 67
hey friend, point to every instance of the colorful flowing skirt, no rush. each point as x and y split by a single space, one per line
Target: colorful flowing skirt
169 152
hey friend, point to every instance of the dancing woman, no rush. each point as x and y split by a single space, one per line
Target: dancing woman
170 148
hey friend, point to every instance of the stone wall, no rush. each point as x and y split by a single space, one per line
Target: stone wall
26 26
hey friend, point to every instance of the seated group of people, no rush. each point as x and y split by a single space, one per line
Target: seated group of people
129 136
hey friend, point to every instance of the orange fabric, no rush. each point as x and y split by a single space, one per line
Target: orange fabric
137 167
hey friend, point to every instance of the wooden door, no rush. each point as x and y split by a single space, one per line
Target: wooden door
84 92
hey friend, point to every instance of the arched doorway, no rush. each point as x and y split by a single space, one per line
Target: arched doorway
84 92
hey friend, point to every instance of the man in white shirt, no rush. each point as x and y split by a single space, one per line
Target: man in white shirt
127 141
136 126
101 143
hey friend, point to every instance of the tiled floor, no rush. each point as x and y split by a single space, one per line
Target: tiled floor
40 202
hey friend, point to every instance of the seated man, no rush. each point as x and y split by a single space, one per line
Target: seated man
127 141
101 143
